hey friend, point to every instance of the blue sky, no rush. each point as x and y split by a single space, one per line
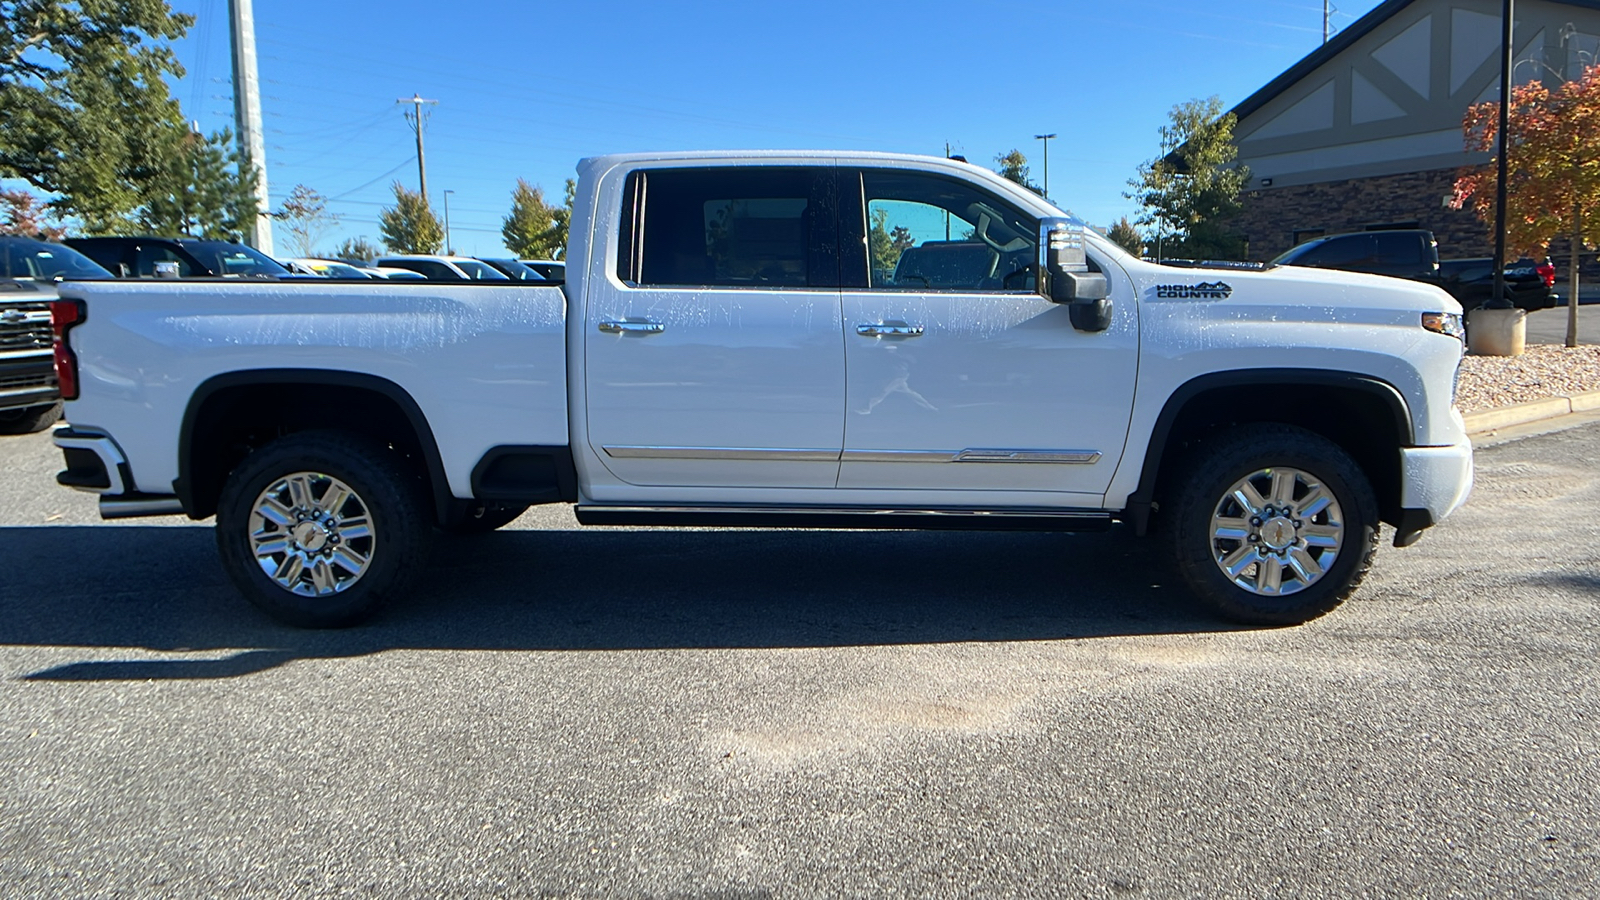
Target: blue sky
526 89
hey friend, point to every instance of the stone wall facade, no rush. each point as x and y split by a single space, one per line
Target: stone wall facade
1275 219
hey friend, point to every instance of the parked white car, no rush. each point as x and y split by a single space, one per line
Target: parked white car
744 350
444 268
324 268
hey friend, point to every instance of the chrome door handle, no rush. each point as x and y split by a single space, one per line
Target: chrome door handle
885 329
632 326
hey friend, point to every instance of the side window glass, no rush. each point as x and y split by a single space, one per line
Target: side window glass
146 261
1339 253
1402 250
731 227
926 233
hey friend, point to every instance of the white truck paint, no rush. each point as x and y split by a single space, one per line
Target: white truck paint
838 401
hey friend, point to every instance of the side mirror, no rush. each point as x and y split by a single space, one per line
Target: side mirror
1065 277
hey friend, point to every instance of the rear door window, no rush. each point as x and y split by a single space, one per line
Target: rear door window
730 227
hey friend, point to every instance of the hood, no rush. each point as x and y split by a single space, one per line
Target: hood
1323 293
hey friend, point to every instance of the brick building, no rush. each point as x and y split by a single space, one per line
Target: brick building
1365 132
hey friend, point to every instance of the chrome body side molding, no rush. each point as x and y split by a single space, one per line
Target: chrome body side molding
1053 457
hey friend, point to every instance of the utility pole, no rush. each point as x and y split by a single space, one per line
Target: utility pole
448 251
418 121
1046 138
247 116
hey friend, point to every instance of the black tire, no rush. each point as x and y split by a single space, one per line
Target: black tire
395 550
483 518
31 420
1289 543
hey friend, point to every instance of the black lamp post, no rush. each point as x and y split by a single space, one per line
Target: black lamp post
1498 300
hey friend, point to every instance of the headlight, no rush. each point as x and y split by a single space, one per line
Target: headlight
1445 323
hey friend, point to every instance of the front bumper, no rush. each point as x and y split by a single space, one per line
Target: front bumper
1434 482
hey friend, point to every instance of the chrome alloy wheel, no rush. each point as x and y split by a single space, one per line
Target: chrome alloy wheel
311 534
1277 531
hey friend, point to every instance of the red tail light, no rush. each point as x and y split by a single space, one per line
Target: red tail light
1547 274
64 316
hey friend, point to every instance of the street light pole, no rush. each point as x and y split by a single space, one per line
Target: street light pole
448 250
1507 25
1046 138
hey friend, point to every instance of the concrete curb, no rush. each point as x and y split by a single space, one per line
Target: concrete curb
1523 413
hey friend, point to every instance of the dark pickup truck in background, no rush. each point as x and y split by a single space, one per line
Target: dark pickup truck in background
1414 254
30 399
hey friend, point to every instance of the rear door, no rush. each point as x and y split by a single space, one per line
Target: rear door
714 353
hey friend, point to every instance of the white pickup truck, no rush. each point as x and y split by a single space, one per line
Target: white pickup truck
830 340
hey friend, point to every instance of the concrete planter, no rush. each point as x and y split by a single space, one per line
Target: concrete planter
1497 332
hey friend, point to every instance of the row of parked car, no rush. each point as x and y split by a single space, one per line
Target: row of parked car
155 257
29 270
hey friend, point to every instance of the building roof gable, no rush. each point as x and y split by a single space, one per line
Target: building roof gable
1337 45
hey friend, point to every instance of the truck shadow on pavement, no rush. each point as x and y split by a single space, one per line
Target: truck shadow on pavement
161 591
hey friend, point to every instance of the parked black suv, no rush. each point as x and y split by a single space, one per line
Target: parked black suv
29 398
1414 254
137 257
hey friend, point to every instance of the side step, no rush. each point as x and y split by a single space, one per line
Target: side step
948 519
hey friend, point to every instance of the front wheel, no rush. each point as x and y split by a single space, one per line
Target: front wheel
1274 525
318 529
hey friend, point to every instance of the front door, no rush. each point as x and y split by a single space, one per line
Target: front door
715 352
961 377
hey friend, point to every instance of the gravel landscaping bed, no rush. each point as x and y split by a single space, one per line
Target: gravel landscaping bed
1544 371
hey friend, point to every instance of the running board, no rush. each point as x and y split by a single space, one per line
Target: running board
949 519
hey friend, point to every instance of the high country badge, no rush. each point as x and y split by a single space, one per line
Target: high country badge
1215 290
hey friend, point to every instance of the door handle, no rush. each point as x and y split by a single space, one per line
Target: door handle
888 329
631 326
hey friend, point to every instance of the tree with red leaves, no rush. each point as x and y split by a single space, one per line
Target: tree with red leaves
1553 170
21 213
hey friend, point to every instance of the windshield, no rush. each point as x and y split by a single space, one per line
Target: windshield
477 271
27 258
226 259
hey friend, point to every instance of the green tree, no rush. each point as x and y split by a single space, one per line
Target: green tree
22 214
410 226
357 248
304 214
885 244
1014 167
85 112
1126 236
1191 191
535 229
205 189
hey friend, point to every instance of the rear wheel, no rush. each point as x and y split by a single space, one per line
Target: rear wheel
319 529
1274 525
31 420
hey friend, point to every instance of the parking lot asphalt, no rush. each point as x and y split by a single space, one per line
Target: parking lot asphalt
1549 326
607 713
